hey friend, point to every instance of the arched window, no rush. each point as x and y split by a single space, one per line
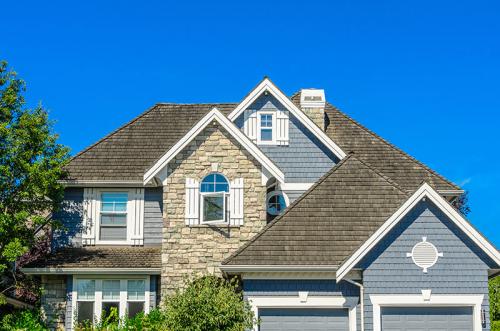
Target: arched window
276 203
214 190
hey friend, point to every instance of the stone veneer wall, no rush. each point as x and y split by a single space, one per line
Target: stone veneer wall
53 301
200 249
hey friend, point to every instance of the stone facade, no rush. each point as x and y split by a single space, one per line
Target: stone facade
53 301
317 115
188 250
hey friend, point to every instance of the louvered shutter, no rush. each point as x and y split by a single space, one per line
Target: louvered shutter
136 228
236 202
192 202
282 124
250 124
90 216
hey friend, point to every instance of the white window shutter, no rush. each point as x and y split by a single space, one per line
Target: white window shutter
236 202
192 202
282 127
136 217
90 216
250 124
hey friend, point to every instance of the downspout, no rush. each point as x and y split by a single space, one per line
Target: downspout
362 301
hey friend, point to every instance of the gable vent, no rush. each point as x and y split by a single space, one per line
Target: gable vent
424 254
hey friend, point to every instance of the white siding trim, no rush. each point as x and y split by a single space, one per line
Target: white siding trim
335 302
417 300
214 116
267 85
425 191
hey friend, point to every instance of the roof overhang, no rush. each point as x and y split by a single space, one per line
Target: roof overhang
267 85
91 271
217 116
425 191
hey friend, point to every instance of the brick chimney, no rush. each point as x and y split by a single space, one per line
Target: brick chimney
312 103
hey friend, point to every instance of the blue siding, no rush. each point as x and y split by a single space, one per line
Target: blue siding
153 216
295 159
462 270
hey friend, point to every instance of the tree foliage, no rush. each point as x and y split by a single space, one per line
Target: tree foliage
208 304
31 165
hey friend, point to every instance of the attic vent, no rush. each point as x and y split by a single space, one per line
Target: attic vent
424 254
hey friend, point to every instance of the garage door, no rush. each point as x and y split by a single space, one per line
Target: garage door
281 319
427 319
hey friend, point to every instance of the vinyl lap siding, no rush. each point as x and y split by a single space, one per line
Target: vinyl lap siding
462 270
295 159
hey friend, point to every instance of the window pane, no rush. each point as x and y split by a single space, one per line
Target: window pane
136 289
85 289
133 308
266 134
111 290
213 208
85 311
113 233
114 219
110 311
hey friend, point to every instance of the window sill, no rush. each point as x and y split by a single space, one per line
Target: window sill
214 225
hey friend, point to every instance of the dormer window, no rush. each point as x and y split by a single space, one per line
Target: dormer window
266 128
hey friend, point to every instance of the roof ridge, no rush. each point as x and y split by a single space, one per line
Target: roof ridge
273 222
394 147
147 111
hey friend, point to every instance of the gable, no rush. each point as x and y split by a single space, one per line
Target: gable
212 117
294 158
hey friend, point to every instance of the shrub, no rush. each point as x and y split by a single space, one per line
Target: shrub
207 304
29 320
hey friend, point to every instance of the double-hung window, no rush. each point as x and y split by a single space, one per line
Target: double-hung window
214 192
113 216
266 127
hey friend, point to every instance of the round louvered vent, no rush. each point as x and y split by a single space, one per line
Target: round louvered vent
424 254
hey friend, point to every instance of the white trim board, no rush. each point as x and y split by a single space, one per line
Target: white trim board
425 191
214 115
267 85
416 300
303 300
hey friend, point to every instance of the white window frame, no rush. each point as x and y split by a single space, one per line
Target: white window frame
128 240
225 197
98 294
259 127
303 300
416 300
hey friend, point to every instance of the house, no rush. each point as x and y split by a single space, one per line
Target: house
329 226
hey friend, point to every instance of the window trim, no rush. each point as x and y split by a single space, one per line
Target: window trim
130 201
98 300
259 128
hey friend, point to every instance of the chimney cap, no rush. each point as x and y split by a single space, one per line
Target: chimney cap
312 98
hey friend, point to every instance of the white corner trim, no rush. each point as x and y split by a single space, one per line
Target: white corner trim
296 186
267 85
425 191
417 300
338 302
214 115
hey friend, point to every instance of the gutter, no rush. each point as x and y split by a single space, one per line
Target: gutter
91 271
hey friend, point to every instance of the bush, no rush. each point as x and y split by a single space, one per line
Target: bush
208 304
29 320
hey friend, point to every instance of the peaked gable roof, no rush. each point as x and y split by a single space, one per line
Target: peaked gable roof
326 224
266 85
214 115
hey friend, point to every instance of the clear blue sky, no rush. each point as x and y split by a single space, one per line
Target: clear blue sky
423 74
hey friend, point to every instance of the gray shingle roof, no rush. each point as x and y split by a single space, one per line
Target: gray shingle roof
127 153
100 257
329 222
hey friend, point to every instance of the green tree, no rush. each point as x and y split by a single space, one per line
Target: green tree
31 165
208 304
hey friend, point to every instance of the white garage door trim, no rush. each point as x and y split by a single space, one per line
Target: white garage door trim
408 300
303 300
